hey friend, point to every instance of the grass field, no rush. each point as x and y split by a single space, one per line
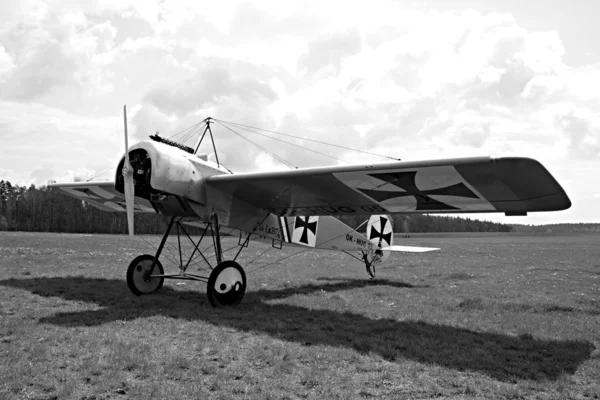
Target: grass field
504 317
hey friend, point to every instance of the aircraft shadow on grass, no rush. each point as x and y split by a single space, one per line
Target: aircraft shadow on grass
503 357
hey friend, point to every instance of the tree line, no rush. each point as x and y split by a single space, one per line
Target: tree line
558 228
44 209
413 223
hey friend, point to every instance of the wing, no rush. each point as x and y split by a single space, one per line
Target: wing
103 196
514 186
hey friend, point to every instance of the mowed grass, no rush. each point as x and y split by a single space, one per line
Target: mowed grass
501 317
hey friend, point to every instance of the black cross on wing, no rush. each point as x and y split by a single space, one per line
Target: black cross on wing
406 182
302 223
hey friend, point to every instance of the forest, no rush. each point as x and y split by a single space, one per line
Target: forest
558 228
44 209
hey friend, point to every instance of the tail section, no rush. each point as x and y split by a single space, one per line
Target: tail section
381 234
325 232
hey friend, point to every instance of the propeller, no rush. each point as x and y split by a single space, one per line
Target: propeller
128 179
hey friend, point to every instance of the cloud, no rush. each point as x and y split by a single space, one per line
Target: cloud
78 175
40 63
326 54
261 22
582 129
408 83
147 120
56 51
213 83
7 65
43 174
15 177
49 141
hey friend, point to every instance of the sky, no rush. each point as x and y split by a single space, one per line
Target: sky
413 80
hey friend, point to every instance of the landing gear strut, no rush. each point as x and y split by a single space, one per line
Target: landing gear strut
226 283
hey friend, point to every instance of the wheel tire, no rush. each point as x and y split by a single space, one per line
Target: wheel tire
137 281
226 284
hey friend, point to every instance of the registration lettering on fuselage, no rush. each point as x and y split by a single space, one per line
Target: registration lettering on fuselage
269 230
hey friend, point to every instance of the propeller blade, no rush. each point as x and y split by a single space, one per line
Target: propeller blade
128 180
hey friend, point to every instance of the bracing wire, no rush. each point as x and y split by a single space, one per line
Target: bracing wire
187 131
193 130
248 129
171 258
191 134
98 174
310 140
259 146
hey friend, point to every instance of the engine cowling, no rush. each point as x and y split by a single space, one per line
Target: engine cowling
162 170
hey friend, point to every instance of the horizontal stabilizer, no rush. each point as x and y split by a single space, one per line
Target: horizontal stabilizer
410 249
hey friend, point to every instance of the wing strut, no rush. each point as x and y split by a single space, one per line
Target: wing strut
217 238
212 139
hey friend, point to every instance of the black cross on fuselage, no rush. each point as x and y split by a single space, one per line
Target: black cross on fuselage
406 182
379 235
302 222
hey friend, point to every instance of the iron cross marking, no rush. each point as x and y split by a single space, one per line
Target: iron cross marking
379 235
302 222
406 182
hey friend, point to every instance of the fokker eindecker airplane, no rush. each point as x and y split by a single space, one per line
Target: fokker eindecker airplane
298 207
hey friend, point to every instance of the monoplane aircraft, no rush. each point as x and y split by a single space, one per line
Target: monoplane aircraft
298 207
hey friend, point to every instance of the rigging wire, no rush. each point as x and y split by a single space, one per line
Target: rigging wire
259 146
191 133
195 129
187 130
100 173
171 258
310 140
292 144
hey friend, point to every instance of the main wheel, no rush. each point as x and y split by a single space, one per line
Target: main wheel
138 275
226 284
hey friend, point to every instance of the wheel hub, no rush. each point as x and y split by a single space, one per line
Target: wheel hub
226 284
